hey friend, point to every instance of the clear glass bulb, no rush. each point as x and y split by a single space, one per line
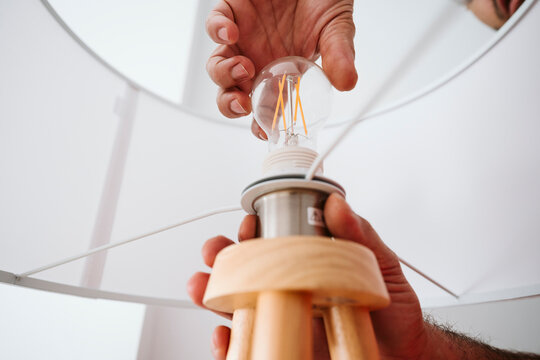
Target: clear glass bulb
291 101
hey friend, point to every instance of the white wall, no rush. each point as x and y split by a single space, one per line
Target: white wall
36 324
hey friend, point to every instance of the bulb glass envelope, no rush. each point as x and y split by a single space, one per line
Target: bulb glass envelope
291 101
450 182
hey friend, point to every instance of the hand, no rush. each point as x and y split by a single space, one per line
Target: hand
399 328
254 33
197 286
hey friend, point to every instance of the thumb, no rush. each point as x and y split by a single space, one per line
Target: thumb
336 46
344 224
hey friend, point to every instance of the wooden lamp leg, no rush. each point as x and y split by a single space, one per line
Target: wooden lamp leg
241 331
350 334
283 326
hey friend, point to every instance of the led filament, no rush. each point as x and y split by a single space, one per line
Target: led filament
297 103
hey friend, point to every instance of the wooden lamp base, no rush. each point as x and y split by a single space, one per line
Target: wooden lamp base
275 286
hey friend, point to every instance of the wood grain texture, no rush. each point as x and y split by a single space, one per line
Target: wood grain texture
283 326
241 334
333 271
350 333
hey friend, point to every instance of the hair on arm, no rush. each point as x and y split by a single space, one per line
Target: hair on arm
446 343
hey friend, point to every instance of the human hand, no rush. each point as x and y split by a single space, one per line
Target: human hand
399 328
197 286
253 33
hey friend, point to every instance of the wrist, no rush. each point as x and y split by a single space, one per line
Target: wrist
439 345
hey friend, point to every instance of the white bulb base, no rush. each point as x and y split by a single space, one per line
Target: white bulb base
290 160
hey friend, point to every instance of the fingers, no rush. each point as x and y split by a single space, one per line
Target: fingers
233 103
336 46
220 24
220 342
345 224
257 131
233 74
197 284
212 247
230 71
248 228
196 287
227 69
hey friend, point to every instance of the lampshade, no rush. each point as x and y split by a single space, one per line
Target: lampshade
89 157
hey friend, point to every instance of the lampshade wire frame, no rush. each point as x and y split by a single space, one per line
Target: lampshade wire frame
184 222
363 114
127 241
428 278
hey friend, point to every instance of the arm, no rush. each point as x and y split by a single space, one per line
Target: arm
445 343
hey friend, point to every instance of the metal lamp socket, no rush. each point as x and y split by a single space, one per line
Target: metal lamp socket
289 205
291 212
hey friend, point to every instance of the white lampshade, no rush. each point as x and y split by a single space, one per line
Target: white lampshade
89 157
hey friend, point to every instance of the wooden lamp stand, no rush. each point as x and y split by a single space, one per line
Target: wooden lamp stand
276 284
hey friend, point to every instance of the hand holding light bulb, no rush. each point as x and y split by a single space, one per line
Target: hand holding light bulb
251 38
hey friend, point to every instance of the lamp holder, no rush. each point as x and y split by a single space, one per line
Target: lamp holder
289 205
290 159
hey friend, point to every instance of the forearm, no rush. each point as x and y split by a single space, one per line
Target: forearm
444 343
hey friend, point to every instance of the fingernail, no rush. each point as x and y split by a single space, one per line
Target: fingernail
213 346
262 135
189 287
239 72
214 340
223 34
218 354
237 108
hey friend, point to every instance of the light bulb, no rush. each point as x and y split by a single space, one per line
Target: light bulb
291 101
